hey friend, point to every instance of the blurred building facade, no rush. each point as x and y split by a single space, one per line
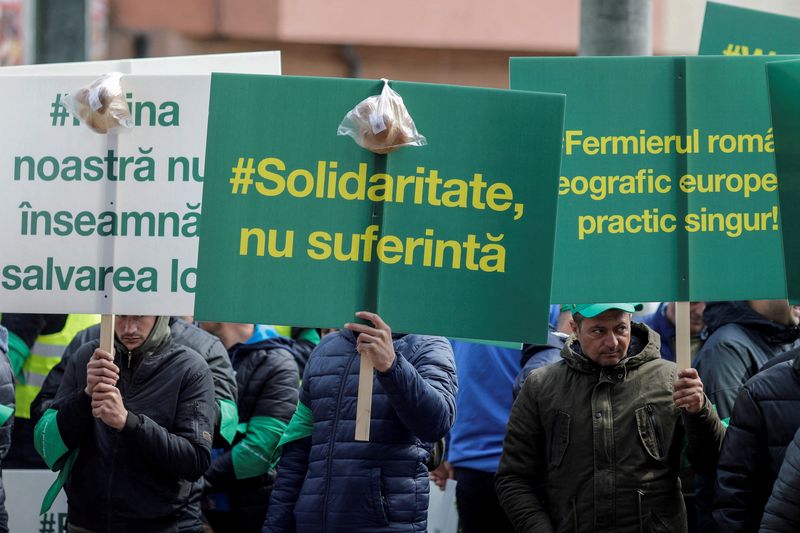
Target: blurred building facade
466 42
462 42
449 41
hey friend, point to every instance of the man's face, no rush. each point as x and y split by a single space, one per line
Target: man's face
696 310
212 327
777 310
795 314
605 338
132 330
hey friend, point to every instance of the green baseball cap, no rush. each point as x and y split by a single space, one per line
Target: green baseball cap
592 310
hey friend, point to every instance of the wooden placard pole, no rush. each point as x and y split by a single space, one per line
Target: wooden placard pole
107 321
364 403
107 333
683 335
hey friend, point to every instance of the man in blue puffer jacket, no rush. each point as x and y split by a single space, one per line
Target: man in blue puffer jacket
328 482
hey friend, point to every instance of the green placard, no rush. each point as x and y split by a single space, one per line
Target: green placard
668 187
412 235
736 31
784 88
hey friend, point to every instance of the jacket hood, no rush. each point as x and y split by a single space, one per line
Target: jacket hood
262 332
717 314
645 346
158 335
555 340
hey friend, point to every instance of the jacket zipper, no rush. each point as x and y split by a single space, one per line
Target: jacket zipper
110 484
574 515
333 440
640 495
656 435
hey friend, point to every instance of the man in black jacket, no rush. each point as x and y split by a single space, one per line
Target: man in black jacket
131 431
765 418
239 480
782 514
185 334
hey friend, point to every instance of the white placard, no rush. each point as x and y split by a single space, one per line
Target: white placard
25 490
106 224
442 512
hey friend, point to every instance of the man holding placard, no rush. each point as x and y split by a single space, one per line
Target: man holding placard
327 481
130 431
186 334
594 441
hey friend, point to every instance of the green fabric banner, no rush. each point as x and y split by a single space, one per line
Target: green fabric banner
50 446
452 238
252 456
18 351
47 440
300 426
229 420
52 493
735 31
6 412
668 188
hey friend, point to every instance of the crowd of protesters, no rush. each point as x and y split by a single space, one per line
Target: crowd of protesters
198 427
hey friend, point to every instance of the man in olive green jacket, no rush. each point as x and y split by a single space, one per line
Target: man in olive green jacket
594 441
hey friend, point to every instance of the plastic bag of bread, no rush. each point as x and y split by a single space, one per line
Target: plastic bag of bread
101 105
381 123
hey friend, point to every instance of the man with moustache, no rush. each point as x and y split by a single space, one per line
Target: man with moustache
594 441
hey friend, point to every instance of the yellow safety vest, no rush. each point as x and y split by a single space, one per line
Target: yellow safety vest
284 331
45 354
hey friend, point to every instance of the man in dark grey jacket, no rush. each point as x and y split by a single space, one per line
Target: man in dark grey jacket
240 478
743 337
594 441
6 417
